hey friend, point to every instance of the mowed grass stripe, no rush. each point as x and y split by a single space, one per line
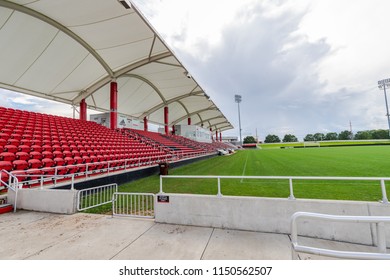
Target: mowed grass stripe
356 161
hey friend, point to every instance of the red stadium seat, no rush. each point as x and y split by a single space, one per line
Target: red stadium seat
48 162
24 148
10 148
6 165
34 174
36 148
7 156
47 154
19 164
58 154
22 155
36 155
69 160
34 163
59 162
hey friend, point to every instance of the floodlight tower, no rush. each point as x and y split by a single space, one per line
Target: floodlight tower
383 84
237 98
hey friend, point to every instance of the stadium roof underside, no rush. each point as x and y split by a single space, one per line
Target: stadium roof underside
69 50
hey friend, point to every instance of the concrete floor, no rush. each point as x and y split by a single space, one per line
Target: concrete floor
45 236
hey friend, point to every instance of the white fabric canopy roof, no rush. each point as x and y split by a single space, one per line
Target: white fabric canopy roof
69 50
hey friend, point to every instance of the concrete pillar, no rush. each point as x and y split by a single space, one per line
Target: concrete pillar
166 120
113 105
145 124
83 110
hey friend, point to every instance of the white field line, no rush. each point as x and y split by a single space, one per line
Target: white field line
243 171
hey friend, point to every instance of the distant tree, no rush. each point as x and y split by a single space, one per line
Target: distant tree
249 139
318 137
380 134
309 137
363 135
345 135
290 138
331 136
271 139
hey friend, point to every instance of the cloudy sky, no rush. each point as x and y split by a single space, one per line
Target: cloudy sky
301 66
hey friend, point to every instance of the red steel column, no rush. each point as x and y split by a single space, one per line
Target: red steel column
113 105
145 124
189 121
220 136
166 120
173 130
216 135
212 137
83 110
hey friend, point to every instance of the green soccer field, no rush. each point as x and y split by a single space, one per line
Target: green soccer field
359 161
365 161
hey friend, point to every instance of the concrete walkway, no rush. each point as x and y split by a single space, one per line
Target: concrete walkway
36 235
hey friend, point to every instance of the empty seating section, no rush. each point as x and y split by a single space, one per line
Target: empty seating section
177 146
34 144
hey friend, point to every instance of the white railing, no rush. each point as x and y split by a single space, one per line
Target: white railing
12 184
97 196
290 180
380 242
139 205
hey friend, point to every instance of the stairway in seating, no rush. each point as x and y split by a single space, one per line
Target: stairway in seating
4 206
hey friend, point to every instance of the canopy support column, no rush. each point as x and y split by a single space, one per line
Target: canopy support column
145 124
113 105
166 120
189 121
83 110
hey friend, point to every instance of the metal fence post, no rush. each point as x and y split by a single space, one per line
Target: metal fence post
292 197
219 187
161 184
384 195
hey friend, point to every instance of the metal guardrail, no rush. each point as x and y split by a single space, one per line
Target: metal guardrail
97 196
138 205
290 179
380 228
12 184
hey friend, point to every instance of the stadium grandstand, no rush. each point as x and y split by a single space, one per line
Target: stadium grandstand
130 74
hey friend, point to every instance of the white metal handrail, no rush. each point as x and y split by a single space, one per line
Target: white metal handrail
12 184
289 178
96 196
381 236
138 205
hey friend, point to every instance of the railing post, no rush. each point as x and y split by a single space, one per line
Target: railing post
161 184
219 187
384 195
292 197
72 184
41 181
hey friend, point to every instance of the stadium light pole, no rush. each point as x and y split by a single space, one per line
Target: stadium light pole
383 84
238 98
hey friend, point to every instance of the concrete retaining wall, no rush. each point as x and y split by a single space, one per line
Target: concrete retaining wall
47 200
272 215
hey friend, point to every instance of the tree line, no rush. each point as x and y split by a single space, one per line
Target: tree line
343 135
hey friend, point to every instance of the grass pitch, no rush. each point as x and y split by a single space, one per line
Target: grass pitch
356 161
361 161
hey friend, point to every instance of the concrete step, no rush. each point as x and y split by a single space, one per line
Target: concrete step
3 199
5 208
